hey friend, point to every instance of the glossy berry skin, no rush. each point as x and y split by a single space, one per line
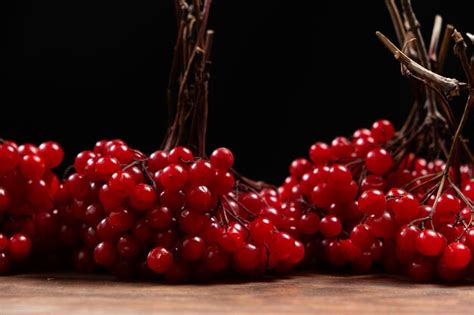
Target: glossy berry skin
430 243
199 199
4 242
320 153
330 226
143 197
378 161
362 236
406 238
448 204
105 254
247 257
456 256
159 218
9 158
159 260
309 223
372 202
32 166
261 229
281 245
338 176
406 208
52 153
19 246
382 131
180 155
173 177
192 248
222 158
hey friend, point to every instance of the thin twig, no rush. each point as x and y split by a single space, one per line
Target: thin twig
397 21
438 23
451 87
443 52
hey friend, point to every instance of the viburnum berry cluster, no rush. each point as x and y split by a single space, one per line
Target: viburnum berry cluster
374 200
27 190
171 214
398 200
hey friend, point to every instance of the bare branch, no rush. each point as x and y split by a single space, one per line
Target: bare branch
471 37
438 23
451 87
397 21
443 52
414 27
460 51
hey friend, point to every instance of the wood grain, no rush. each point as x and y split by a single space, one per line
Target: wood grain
302 294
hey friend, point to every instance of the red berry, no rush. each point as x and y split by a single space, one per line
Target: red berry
309 223
382 131
260 230
456 256
338 176
378 161
159 218
32 167
9 158
52 154
192 248
159 260
406 208
180 155
173 177
199 199
372 202
247 257
19 246
158 160
105 254
320 153
362 236
143 197
430 243
330 226
222 158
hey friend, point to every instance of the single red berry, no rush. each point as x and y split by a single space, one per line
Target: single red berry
309 223
372 202
159 218
362 236
180 155
32 167
143 197
19 246
199 199
222 158
192 248
378 161
456 256
382 131
430 243
330 226
320 153
52 153
159 260
173 177
406 208
247 257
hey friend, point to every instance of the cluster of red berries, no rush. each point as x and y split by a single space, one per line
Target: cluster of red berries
27 191
352 211
168 214
176 216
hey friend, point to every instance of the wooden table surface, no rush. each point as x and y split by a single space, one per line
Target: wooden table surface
302 294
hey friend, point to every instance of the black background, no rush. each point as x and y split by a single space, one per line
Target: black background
80 71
